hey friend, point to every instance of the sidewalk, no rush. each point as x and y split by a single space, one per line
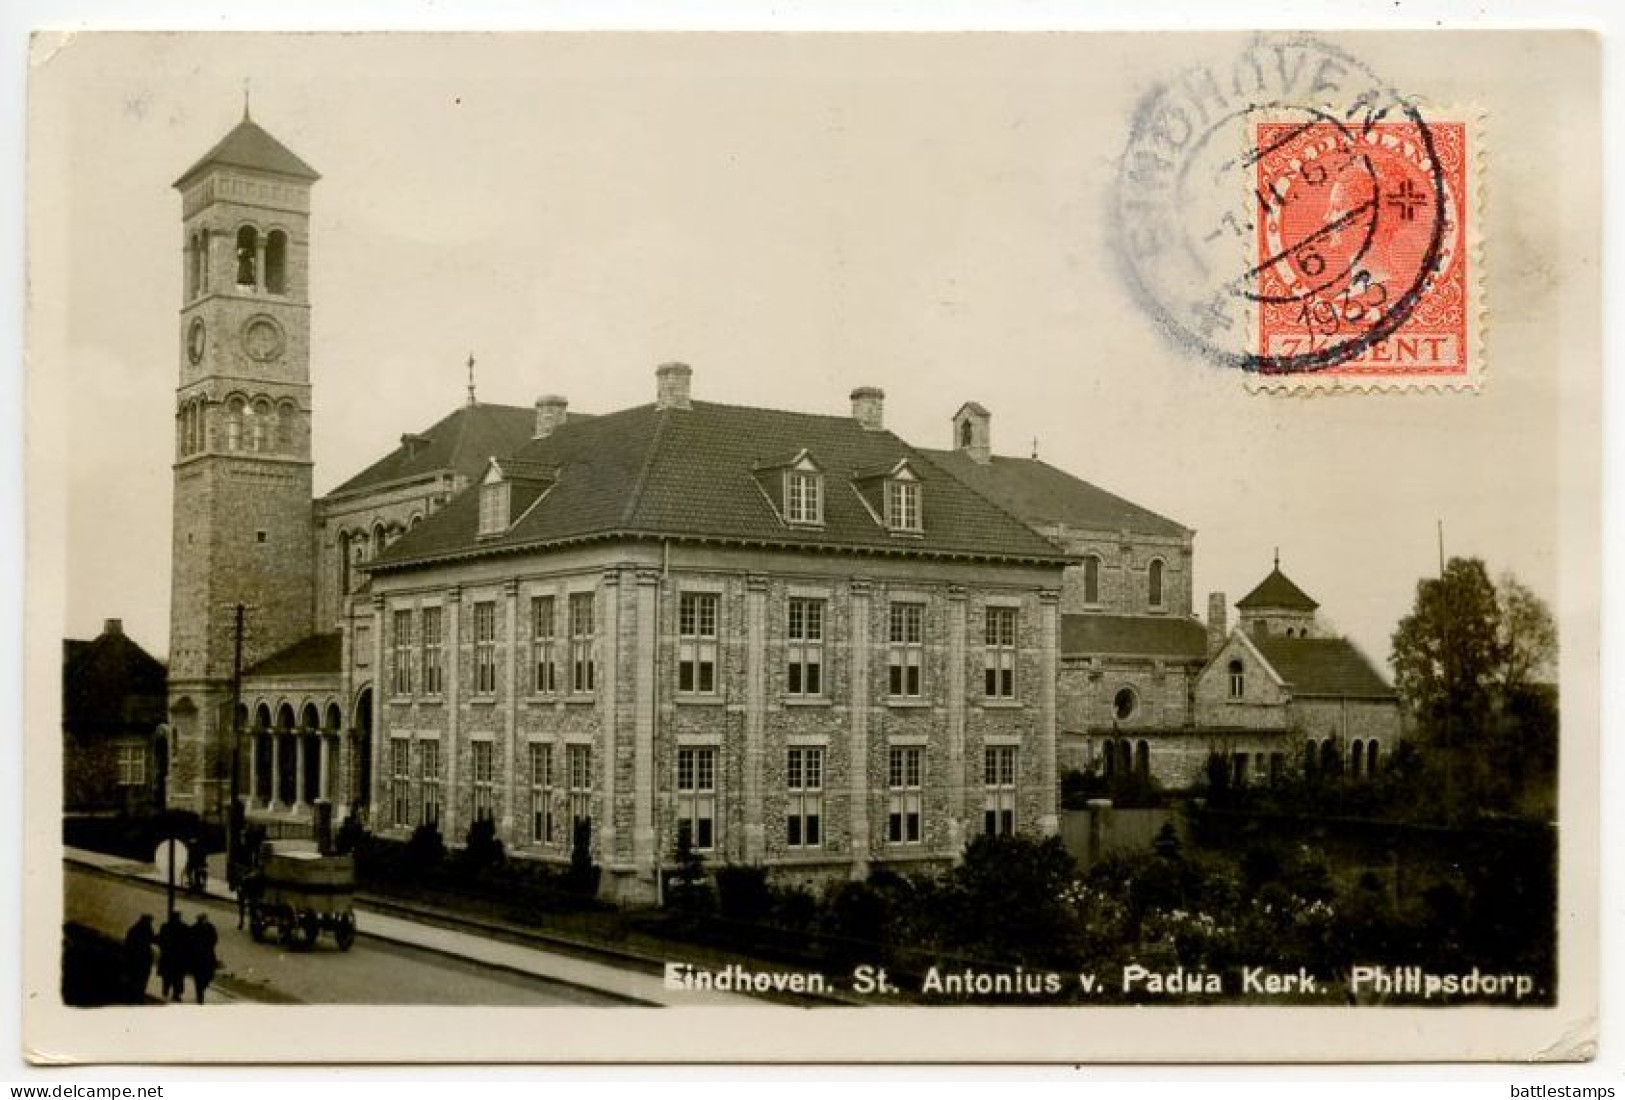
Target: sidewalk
648 989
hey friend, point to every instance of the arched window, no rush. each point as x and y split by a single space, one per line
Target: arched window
1238 680
1142 760
1311 759
1331 762
344 563
1154 582
1109 757
284 427
1371 751
377 539
235 409
276 262
194 266
1357 758
260 435
1091 579
416 519
248 247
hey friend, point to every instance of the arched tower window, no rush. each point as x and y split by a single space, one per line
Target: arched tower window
1091 579
377 539
248 247
235 410
260 433
1154 582
194 266
276 262
965 433
284 426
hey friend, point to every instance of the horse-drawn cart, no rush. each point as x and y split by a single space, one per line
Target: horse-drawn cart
299 894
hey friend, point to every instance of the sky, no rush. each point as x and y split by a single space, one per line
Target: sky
793 217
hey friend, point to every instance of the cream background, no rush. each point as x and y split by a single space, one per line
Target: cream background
795 216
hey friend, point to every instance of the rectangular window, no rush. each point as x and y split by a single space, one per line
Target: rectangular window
582 670
578 759
542 627
803 502
697 643
494 508
132 765
401 636
400 781
697 796
363 645
485 648
433 632
906 650
804 647
999 681
541 794
429 778
903 505
804 788
484 780
903 796
999 779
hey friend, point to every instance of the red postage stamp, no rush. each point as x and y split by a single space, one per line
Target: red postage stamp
1362 240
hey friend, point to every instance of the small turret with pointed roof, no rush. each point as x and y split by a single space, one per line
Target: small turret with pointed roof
1278 607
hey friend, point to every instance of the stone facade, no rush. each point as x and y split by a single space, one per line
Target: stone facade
637 719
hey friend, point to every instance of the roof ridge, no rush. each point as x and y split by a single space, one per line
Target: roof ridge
997 505
634 499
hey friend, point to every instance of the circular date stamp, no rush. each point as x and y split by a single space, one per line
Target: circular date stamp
1286 212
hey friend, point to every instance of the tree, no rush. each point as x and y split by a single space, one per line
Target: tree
1464 661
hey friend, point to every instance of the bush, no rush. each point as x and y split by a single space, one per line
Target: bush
426 850
584 874
482 848
743 894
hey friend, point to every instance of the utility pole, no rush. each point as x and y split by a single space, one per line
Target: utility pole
234 816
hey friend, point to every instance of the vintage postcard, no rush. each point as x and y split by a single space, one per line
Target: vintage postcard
604 547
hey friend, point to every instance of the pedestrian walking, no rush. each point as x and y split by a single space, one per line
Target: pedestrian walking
138 951
174 941
204 961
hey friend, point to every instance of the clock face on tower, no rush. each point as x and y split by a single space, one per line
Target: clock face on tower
262 339
196 338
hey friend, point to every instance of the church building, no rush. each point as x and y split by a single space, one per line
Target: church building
793 639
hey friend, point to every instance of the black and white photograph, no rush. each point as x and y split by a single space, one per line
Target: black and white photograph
873 532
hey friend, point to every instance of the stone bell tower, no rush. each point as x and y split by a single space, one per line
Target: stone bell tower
243 520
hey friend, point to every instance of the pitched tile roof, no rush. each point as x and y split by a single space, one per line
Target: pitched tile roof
249 146
1137 635
1323 666
1277 591
692 473
462 442
1041 494
317 655
110 682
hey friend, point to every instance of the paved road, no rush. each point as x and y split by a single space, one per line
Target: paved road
372 972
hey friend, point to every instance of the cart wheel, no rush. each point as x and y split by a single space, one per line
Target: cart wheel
310 927
344 931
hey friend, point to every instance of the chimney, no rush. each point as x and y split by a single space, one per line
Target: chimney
549 414
1218 622
113 627
671 385
869 407
973 433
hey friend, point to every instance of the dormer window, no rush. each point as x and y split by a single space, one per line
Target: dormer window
903 501
804 495
493 508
